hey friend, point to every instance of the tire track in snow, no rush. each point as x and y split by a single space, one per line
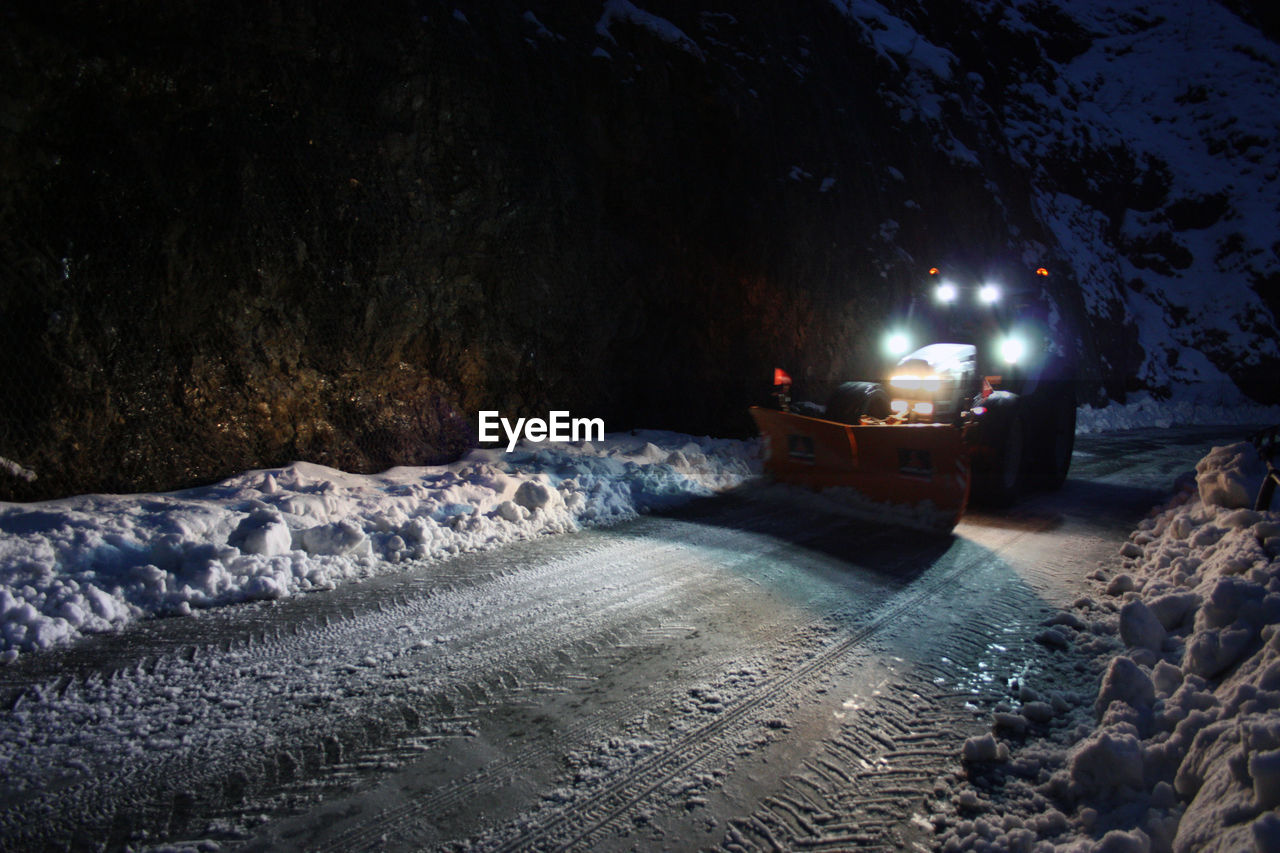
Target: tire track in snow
369 834
867 787
576 825
870 780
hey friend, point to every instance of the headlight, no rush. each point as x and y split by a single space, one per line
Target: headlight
897 343
946 292
989 294
902 408
1012 350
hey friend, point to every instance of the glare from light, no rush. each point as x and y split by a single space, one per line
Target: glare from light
988 294
1012 350
897 343
915 382
946 292
898 407
923 408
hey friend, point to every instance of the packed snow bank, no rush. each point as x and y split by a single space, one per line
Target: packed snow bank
97 562
1145 411
1179 748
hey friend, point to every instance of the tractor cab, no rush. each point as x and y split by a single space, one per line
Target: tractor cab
998 315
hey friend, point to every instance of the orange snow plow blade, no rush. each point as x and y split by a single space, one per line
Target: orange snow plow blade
918 473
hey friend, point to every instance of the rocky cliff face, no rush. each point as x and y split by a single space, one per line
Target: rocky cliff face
241 234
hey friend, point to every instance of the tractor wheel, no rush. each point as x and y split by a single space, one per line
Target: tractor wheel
1001 480
852 400
1058 441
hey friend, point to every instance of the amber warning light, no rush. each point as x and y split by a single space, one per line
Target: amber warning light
1042 271
782 388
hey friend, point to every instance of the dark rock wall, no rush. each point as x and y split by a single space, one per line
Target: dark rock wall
242 233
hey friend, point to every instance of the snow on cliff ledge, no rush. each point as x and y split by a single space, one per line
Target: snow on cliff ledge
97 562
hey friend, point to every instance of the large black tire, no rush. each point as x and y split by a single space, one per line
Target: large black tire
852 400
1053 461
1000 474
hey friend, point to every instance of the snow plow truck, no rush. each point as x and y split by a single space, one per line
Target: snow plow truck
978 400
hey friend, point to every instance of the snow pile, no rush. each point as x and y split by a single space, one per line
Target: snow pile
1145 411
1180 748
97 562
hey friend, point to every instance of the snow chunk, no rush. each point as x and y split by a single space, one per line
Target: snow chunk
1166 678
533 496
1003 720
1105 762
1264 769
1230 476
1213 650
1139 627
1172 609
509 511
1120 841
262 533
1266 832
984 748
1054 637
1124 681
1120 584
1038 712
341 537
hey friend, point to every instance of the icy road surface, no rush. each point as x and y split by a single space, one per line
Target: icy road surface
750 672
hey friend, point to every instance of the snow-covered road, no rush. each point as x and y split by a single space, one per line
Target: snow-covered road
752 671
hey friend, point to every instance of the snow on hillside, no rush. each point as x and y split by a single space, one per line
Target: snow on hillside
1179 749
98 562
1149 151
1181 94
624 10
